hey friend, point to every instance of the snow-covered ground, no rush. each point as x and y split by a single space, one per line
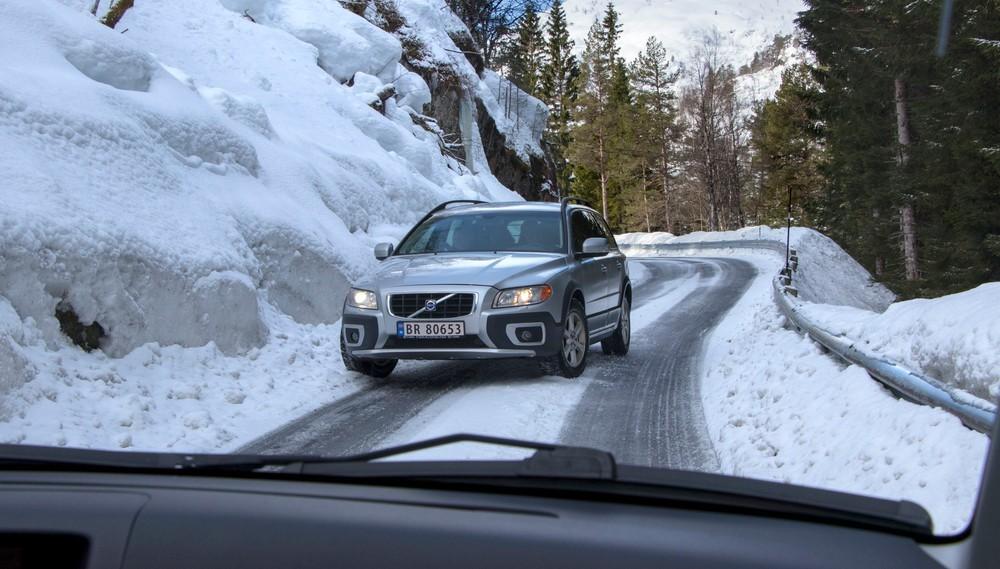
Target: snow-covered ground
778 408
174 398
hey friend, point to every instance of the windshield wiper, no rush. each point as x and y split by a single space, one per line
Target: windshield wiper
547 460
551 470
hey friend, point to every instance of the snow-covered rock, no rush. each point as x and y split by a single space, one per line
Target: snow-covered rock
202 177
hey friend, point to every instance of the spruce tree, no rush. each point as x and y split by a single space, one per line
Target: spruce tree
560 72
527 52
596 109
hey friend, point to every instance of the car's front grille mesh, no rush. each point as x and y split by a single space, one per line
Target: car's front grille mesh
404 305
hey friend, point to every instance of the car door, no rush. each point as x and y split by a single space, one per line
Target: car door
589 274
615 273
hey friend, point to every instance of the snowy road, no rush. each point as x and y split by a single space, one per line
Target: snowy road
644 408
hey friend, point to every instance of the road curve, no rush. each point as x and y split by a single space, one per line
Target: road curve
646 407
648 399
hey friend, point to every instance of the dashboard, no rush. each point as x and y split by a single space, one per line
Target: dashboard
90 520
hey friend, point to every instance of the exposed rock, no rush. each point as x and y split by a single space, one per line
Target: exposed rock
532 180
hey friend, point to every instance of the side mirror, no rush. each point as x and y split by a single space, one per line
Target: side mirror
383 250
595 247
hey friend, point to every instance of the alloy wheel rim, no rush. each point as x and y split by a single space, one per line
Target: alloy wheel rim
574 341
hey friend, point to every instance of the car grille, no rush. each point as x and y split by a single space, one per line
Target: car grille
404 305
467 341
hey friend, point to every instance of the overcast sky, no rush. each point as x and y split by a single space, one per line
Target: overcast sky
676 23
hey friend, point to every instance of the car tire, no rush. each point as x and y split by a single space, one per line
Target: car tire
372 368
572 357
617 344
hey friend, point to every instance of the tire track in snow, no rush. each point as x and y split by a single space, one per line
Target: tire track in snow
645 408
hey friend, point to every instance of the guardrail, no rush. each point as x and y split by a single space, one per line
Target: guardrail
973 412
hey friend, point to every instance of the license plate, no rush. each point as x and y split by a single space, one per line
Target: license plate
430 329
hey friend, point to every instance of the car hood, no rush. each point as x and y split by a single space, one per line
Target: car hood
499 270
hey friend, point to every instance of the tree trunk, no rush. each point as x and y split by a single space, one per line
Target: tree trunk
116 12
604 177
665 179
879 259
645 202
907 222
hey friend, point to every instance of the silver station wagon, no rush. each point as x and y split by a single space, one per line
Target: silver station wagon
475 280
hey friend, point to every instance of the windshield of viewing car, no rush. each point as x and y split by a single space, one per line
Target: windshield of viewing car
202 203
519 231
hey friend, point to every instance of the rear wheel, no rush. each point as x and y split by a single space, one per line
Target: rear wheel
572 357
617 344
371 368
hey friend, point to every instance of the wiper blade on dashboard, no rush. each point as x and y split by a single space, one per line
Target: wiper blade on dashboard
551 470
547 460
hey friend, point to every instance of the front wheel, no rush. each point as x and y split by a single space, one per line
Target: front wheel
617 344
371 368
572 357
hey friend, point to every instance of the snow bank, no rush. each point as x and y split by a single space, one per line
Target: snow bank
778 408
826 273
170 398
954 338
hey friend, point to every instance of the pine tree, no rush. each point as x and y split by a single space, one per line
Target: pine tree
595 110
526 53
559 76
789 152
654 76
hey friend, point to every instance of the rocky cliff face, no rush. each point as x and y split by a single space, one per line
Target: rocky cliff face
502 127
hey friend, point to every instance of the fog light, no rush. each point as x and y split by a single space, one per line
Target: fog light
353 337
526 335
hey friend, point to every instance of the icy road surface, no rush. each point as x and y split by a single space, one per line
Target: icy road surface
645 408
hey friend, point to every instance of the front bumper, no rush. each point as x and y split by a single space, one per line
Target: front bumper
524 332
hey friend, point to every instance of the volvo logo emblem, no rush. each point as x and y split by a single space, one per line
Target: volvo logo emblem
431 305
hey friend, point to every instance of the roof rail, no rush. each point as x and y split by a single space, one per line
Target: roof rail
565 201
448 203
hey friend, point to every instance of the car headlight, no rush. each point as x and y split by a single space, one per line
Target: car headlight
524 296
359 298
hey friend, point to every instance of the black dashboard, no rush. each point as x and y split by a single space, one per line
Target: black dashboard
97 520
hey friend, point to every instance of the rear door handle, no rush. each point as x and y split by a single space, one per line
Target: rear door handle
604 268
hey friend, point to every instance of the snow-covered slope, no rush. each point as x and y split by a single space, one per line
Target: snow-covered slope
168 181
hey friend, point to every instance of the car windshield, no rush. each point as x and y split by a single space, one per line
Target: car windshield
482 231
332 227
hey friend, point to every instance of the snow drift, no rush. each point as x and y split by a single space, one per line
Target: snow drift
954 337
168 182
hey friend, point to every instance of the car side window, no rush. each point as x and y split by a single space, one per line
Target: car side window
583 227
605 231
